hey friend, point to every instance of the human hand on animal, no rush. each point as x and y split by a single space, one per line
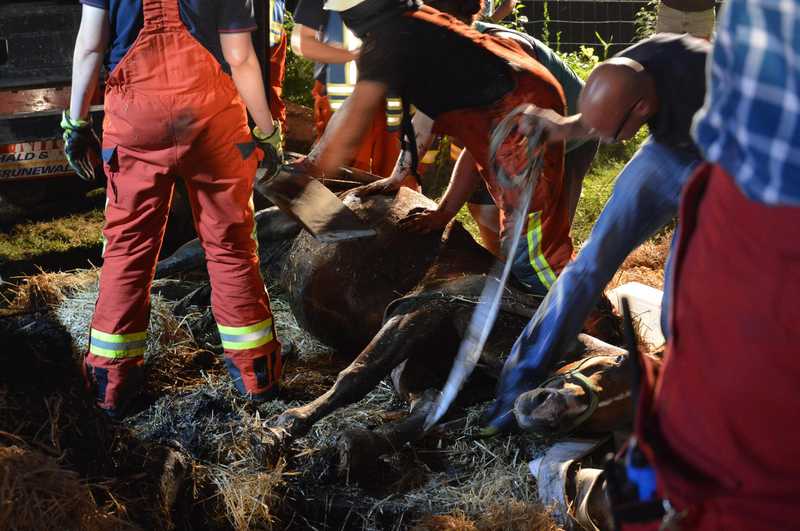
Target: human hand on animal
422 220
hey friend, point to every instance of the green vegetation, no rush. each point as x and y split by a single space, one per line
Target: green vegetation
299 78
27 240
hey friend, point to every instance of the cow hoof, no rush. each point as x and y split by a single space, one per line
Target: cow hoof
294 423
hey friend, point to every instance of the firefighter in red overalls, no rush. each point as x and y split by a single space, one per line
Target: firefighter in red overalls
463 84
277 61
172 110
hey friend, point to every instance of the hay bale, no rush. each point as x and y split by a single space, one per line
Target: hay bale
37 493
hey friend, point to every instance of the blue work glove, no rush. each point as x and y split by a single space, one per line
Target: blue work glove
82 147
272 145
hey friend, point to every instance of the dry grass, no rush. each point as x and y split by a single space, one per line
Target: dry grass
288 329
510 516
487 470
46 290
36 493
249 498
235 468
645 264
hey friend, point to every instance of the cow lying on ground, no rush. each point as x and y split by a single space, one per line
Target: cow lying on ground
397 300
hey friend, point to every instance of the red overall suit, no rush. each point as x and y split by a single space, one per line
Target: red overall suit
718 422
277 73
379 148
171 111
546 246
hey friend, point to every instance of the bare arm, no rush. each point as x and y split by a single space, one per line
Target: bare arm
306 42
343 136
557 128
462 184
237 48
505 9
90 48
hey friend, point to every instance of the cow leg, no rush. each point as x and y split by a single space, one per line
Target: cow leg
359 450
399 337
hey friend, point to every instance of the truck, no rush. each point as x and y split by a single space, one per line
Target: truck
36 43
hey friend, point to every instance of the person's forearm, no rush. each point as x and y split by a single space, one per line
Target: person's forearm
575 128
423 131
462 184
505 9
306 42
249 82
90 49
85 73
343 136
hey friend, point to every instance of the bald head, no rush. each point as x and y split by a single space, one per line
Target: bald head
618 98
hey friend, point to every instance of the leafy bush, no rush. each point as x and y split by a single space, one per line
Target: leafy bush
299 73
646 19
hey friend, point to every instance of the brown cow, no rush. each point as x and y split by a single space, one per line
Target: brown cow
395 298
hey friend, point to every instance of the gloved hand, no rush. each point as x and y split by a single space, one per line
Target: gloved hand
272 145
81 146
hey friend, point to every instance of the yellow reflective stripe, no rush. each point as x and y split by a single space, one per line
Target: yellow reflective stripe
430 156
394 103
241 330
246 337
119 338
114 353
535 255
244 345
340 89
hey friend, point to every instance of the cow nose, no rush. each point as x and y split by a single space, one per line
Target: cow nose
539 409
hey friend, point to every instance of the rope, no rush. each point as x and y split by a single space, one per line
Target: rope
589 388
499 136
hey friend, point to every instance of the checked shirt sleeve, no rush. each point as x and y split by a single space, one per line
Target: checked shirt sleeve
750 123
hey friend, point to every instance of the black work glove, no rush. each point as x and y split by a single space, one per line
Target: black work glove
81 146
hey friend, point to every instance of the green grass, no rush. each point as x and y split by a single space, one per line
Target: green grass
597 188
27 240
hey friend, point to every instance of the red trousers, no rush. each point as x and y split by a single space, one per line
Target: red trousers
722 423
277 73
551 201
171 111
379 149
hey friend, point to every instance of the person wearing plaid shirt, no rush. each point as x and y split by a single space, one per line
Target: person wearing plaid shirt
720 424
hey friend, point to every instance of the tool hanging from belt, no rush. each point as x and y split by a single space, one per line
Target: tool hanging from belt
630 476
485 313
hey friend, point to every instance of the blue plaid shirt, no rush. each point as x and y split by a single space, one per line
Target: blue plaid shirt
750 123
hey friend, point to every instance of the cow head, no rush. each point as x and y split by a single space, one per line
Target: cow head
592 395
